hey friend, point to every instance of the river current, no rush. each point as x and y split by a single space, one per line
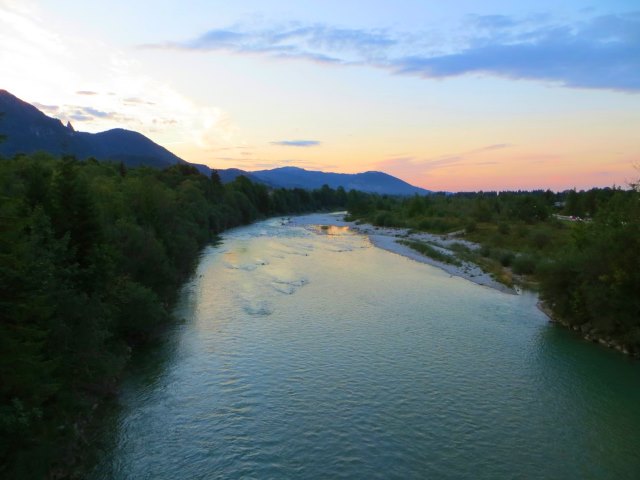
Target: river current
308 353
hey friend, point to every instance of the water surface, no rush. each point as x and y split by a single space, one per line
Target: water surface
308 353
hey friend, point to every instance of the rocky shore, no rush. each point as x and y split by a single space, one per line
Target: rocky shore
388 239
587 332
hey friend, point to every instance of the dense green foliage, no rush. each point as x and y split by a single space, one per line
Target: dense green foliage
91 257
593 283
582 249
431 252
517 230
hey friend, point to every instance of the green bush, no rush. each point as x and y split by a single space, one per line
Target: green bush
521 230
425 225
431 252
540 238
385 219
505 257
524 264
504 228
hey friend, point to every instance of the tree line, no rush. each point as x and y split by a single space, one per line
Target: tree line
91 257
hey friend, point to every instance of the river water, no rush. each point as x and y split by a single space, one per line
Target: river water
308 353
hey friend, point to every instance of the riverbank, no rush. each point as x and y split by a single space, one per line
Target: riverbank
587 332
389 238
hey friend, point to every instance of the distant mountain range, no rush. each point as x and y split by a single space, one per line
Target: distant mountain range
294 177
230 174
28 130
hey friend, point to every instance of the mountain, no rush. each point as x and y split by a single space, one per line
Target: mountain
230 174
28 130
372 182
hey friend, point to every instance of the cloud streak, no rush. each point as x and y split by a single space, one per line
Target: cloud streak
297 143
417 167
316 43
50 109
602 52
81 113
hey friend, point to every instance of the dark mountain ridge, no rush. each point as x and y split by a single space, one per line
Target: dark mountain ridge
295 177
230 174
28 130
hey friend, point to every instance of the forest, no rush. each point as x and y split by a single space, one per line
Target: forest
91 258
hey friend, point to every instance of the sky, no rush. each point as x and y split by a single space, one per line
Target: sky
458 95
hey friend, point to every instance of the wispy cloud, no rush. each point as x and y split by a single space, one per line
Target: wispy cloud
602 52
78 113
51 109
260 163
297 143
412 166
79 117
115 83
489 148
94 112
137 101
492 22
317 43
81 113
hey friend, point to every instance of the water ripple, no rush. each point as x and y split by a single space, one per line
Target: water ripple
312 355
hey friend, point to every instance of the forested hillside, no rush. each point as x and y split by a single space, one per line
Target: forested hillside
91 257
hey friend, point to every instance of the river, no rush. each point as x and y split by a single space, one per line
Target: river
308 353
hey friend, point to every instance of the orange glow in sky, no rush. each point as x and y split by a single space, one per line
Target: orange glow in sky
453 96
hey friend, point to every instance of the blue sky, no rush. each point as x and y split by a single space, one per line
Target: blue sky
455 95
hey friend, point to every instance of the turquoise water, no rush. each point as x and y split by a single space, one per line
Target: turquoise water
308 353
